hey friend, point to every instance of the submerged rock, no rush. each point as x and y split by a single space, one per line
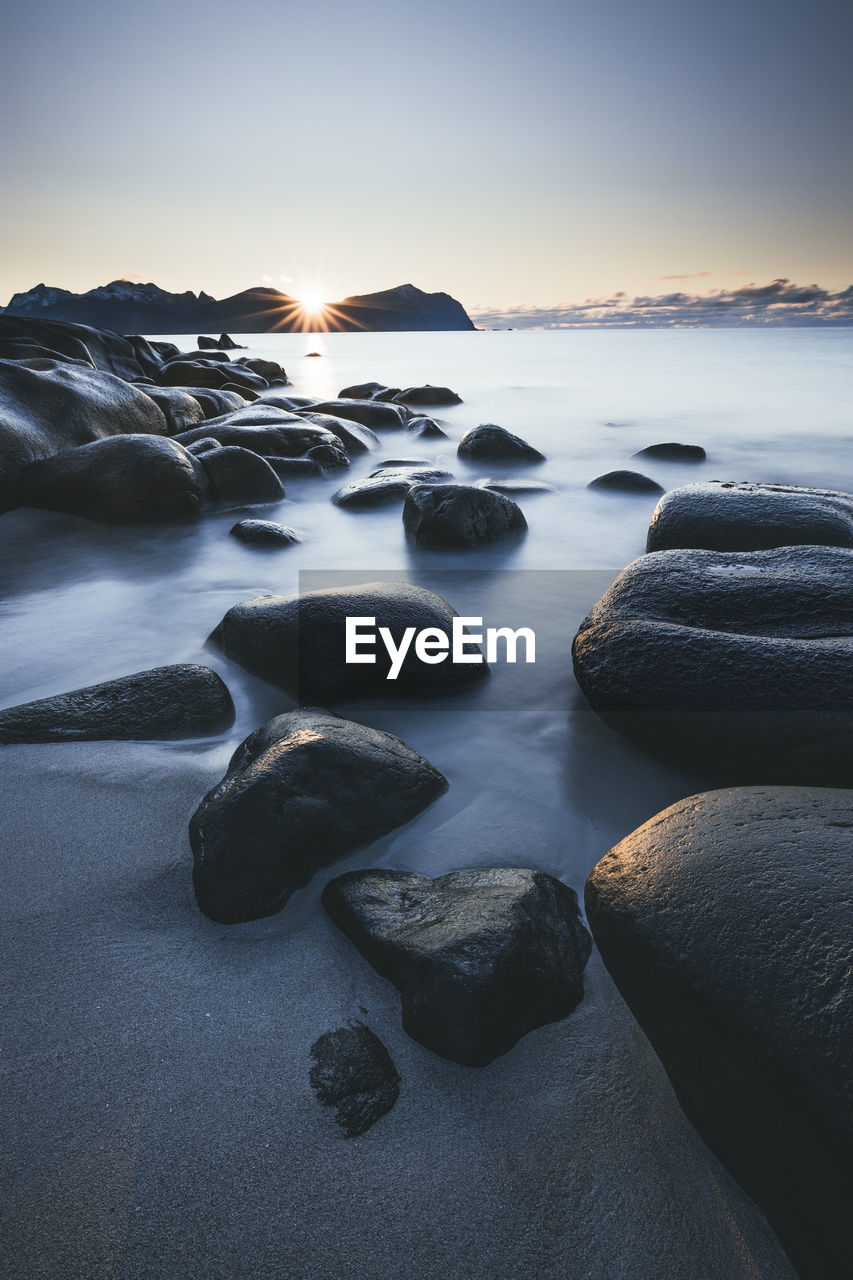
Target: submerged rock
462 516
274 439
740 663
370 413
625 482
222 343
299 642
240 475
424 428
479 957
368 391
488 443
725 922
208 372
353 436
265 533
183 701
672 452
302 791
353 1071
119 479
427 395
513 485
750 517
386 486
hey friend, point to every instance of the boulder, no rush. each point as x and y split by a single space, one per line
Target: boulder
215 403
277 439
479 957
370 413
354 437
385 486
295 468
740 663
241 476
211 373
427 396
302 791
488 443
673 452
183 701
424 428
127 357
448 515
49 406
353 1072
199 447
181 410
368 391
265 533
396 463
120 479
299 642
725 923
750 517
270 370
625 482
512 485
222 343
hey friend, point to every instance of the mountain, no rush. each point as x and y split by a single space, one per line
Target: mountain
125 307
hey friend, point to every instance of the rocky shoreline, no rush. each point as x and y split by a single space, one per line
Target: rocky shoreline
727 646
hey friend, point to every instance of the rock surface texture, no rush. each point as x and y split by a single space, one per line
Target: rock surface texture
353 1071
740 663
723 516
446 516
726 924
488 443
303 790
479 957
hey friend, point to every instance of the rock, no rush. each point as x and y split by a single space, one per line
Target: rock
740 663
239 475
625 482
512 485
673 452
270 370
292 404
353 1071
354 437
183 701
308 354
199 447
295 468
240 388
367 391
119 479
214 403
396 463
302 791
488 443
386 486
278 439
370 413
265 533
423 428
50 406
447 515
199 357
181 410
298 642
128 358
210 373
750 517
222 343
725 922
479 957
427 396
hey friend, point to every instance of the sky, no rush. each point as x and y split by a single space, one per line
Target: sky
530 158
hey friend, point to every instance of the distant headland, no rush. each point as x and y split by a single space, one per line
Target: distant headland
126 307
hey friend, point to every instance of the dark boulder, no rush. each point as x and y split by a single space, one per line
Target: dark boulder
396 463
299 642
51 406
215 403
673 452
370 413
265 533
386 486
353 436
512 485
302 791
448 515
740 663
424 428
119 479
183 701
480 957
126 357
241 476
295 468
427 396
181 410
625 482
278 438
750 517
725 923
199 447
270 370
368 391
353 1072
488 443
222 343
211 373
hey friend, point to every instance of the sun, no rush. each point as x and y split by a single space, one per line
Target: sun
312 302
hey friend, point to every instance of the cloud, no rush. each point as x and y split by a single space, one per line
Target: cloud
688 275
779 302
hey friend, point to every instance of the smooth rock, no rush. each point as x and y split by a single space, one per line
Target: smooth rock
724 516
288 439
625 482
299 642
353 1072
726 924
265 533
512 485
740 663
215 402
353 436
448 516
181 410
427 395
424 428
240 475
488 443
368 391
386 486
370 413
302 791
673 452
480 957
222 343
183 701
119 479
